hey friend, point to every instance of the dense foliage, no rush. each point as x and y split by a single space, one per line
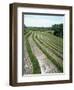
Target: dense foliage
58 29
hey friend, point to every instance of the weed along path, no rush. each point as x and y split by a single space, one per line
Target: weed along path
28 69
45 64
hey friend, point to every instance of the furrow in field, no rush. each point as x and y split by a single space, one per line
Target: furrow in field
49 46
48 40
49 54
45 64
54 41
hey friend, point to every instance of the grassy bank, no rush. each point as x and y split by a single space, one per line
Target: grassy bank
35 64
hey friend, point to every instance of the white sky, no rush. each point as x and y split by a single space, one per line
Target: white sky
42 20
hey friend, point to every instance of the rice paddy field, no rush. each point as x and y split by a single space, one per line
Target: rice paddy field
43 52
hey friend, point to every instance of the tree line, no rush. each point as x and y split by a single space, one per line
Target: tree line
57 29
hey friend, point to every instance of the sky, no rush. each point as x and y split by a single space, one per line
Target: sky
42 20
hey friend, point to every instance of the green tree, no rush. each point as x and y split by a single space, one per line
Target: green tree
58 29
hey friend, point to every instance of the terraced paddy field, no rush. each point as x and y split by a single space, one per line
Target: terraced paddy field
43 53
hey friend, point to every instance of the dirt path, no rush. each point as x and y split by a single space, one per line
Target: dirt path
45 64
28 69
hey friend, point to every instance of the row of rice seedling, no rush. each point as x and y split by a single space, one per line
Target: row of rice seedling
34 61
49 41
49 45
49 55
54 39
59 60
